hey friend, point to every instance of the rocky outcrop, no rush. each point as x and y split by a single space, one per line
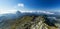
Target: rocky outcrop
27 22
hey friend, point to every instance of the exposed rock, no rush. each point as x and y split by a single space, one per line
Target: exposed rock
27 22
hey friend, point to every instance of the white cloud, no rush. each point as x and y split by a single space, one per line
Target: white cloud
29 11
23 11
47 12
7 11
20 4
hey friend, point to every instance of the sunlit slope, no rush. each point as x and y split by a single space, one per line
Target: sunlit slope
27 22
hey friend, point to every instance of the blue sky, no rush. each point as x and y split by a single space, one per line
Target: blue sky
30 5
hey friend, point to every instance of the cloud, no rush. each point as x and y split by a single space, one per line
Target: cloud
7 11
20 4
24 11
47 12
32 11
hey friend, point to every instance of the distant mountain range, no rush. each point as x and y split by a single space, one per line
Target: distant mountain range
12 18
18 14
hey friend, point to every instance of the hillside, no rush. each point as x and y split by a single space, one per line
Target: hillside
27 22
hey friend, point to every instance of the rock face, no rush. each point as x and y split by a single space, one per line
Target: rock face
27 22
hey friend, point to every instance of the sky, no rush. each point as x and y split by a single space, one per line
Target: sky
48 5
